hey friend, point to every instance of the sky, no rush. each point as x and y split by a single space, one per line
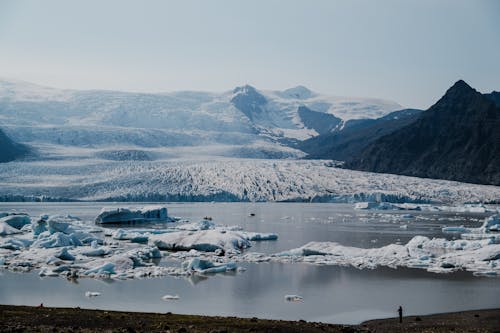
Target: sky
402 50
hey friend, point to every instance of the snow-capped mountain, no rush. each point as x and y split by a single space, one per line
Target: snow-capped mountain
242 117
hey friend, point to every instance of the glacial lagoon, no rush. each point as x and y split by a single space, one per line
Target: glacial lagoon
335 294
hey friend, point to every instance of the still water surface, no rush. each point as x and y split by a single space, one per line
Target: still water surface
331 294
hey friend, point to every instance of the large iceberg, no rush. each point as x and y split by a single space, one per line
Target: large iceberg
203 240
126 215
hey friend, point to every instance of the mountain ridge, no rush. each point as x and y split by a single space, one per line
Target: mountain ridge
455 139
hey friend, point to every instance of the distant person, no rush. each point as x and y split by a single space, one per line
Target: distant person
400 311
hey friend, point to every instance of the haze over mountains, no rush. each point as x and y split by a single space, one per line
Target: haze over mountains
456 139
244 116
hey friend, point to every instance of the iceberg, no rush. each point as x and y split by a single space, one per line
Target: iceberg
257 236
204 240
133 237
15 244
45 240
170 297
293 298
207 267
126 215
92 294
16 220
6 230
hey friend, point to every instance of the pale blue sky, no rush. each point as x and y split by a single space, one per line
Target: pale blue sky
407 51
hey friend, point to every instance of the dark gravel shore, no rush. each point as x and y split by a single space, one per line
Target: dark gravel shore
34 319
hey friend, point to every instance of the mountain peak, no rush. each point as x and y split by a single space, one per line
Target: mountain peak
460 87
298 92
246 89
458 93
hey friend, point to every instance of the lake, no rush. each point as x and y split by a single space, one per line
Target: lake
331 293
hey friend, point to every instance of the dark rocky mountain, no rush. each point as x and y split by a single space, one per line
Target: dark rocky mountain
458 138
319 121
495 97
356 135
10 150
249 101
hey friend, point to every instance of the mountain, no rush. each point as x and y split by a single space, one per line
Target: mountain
319 121
495 97
355 135
456 139
10 150
244 122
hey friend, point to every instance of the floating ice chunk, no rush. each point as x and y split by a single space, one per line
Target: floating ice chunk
293 298
63 254
15 244
460 229
205 240
133 237
207 267
403 226
56 240
195 226
6 230
104 268
92 294
407 216
170 297
64 224
16 220
257 236
125 215
95 251
39 226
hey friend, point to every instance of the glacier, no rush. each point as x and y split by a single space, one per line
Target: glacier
225 179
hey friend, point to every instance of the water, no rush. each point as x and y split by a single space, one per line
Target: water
331 294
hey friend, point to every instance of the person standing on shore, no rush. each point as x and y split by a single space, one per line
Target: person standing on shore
400 311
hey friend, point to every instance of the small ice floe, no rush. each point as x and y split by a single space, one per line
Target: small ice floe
403 226
195 226
460 229
133 237
256 236
92 294
126 215
170 297
293 298
207 267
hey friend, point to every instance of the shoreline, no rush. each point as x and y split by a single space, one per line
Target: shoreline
47 319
